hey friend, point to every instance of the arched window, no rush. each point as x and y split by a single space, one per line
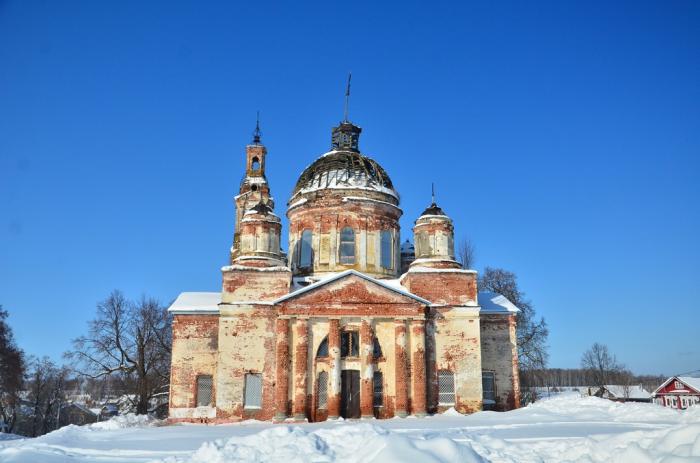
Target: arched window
322 348
347 246
387 254
255 165
376 349
305 250
322 389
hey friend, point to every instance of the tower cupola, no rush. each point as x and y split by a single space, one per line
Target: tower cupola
433 235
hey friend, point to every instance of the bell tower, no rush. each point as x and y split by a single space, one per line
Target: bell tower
254 188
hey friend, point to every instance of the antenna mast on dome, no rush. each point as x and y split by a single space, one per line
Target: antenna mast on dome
432 187
347 98
257 133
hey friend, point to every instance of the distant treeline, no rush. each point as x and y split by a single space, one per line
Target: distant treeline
579 377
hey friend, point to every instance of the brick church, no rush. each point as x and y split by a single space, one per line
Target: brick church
350 323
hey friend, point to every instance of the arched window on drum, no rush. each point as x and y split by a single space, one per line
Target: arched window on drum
387 249
347 246
305 249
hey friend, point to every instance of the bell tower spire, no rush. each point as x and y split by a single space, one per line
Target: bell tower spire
254 188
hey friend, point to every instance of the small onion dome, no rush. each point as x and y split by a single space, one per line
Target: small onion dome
344 170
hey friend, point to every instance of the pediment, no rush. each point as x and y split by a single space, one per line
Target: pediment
351 288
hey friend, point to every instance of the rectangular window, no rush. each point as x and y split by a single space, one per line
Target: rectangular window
488 384
378 385
204 390
322 388
446 387
677 385
386 249
253 390
349 344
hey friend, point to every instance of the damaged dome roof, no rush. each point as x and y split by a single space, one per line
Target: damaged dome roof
346 170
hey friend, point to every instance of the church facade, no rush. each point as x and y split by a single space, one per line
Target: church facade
350 323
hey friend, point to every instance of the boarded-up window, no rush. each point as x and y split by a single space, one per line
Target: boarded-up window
446 387
422 246
305 250
204 390
488 384
325 249
322 388
378 389
253 390
387 249
347 246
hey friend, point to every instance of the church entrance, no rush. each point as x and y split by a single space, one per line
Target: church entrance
350 394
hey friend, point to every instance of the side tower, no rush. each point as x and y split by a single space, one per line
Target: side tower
453 350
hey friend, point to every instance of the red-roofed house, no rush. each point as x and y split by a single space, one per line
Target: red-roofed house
678 392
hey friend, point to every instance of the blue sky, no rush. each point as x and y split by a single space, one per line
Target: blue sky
563 138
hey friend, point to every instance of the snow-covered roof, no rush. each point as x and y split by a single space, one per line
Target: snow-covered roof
495 303
196 303
627 392
690 381
356 273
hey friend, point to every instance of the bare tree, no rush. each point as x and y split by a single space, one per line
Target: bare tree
11 375
532 333
130 341
466 253
603 365
45 392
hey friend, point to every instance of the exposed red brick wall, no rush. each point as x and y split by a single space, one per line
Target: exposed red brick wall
300 367
450 288
282 367
418 399
183 373
401 361
366 390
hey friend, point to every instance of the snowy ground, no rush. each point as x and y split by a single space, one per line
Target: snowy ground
565 428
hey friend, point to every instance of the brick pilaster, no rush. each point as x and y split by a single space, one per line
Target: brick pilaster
334 353
366 369
301 350
282 368
401 399
418 401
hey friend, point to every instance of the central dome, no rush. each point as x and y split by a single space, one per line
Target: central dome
345 170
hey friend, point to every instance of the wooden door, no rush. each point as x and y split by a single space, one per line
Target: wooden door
350 394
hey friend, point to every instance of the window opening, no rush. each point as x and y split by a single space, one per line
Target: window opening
446 387
253 390
322 389
322 348
305 250
488 384
349 344
386 249
378 389
376 349
255 164
204 390
347 246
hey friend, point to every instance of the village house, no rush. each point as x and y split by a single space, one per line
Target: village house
351 323
621 393
678 392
